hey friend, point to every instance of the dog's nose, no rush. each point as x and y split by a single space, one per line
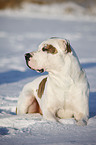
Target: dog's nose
27 56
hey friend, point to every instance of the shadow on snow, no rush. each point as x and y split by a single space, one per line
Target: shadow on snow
88 65
15 76
92 104
4 111
4 131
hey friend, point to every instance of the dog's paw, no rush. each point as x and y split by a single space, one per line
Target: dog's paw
81 122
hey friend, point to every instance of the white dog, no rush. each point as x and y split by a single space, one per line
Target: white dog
64 93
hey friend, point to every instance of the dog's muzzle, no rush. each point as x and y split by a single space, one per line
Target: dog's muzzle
27 58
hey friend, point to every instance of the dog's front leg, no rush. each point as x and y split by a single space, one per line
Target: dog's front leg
50 115
23 104
25 100
81 119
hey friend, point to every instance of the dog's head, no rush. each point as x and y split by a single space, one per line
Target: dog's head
50 55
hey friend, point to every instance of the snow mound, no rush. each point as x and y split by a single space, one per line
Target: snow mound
22 121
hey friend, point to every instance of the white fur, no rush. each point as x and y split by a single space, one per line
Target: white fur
66 91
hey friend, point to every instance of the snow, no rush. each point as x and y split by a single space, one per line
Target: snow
21 31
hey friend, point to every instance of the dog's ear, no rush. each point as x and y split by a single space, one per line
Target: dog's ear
68 47
65 45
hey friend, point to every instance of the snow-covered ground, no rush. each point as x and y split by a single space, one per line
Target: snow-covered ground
20 32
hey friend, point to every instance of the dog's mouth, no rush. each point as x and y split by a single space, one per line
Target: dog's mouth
38 70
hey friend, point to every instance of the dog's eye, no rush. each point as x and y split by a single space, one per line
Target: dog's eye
44 49
50 49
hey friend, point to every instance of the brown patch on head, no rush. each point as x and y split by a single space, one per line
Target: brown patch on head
41 87
68 48
50 49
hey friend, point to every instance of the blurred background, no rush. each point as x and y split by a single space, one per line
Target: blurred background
52 6
18 3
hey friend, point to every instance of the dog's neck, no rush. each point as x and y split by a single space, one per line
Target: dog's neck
60 79
64 76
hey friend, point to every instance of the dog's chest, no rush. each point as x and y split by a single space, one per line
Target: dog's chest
56 93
